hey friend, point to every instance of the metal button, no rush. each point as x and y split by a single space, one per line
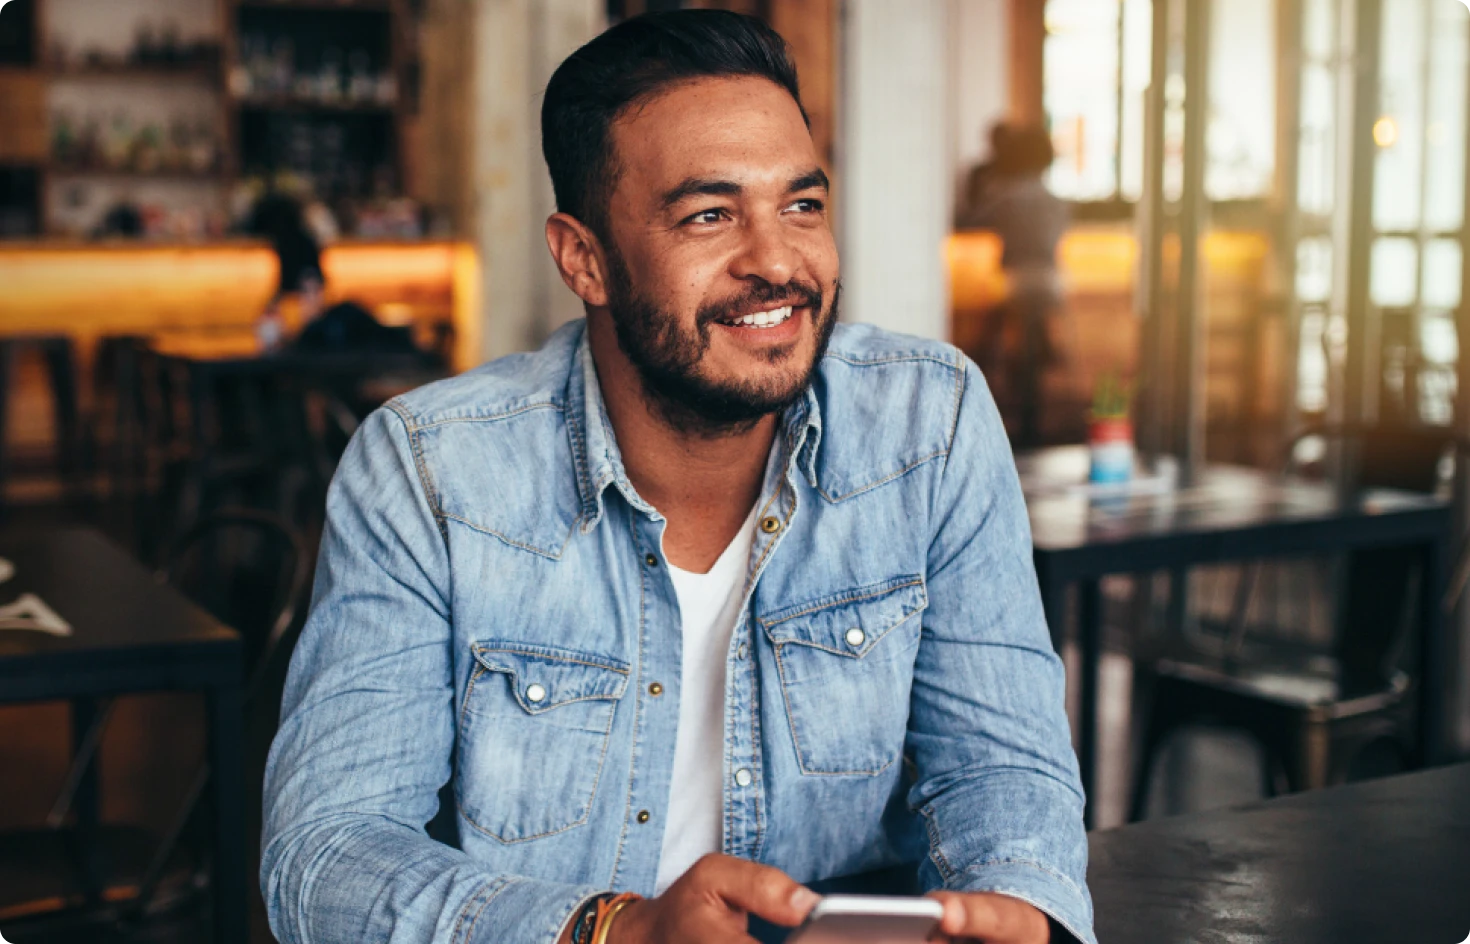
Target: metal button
642 816
651 561
655 689
535 693
742 777
742 652
856 637
770 525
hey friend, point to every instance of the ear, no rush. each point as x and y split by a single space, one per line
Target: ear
578 255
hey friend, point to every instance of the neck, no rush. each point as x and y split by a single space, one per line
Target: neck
703 481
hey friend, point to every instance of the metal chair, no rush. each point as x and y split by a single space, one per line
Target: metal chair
1313 711
75 880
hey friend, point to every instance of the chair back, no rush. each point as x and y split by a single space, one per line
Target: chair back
249 569
1378 609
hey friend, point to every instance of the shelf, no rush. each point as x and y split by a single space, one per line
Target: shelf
295 103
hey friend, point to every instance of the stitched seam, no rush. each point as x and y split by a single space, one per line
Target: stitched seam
1025 863
426 484
795 737
541 552
464 912
550 658
889 359
586 805
492 417
936 851
490 893
857 595
464 709
848 653
961 388
835 499
637 707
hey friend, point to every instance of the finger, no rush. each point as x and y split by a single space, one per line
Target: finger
992 917
759 889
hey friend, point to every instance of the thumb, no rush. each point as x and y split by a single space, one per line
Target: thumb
764 891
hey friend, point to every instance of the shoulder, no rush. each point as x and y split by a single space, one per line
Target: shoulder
506 387
889 403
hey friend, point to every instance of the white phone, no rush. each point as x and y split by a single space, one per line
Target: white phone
870 919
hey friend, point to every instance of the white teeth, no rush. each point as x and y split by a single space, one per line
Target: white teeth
764 319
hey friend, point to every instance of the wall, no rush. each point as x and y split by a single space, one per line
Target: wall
979 81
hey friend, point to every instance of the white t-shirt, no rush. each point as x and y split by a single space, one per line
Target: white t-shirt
709 605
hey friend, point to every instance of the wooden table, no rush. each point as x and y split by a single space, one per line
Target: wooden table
1228 514
1370 863
133 634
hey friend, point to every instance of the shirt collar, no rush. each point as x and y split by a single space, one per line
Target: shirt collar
600 463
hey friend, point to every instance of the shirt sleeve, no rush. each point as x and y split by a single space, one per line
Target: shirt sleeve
367 731
997 780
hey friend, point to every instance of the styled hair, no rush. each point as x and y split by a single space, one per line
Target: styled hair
630 64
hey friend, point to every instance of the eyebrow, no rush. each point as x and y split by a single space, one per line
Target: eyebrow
712 187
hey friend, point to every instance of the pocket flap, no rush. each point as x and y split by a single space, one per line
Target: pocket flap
849 623
543 677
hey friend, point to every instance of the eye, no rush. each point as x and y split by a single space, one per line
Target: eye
808 205
706 217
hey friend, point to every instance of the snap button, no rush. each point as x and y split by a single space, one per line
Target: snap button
856 637
742 777
535 693
741 652
642 816
770 525
655 689
651 561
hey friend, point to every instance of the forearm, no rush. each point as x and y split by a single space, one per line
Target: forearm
1016 832
353 878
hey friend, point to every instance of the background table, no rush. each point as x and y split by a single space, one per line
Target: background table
133 634
1229 514
1371 863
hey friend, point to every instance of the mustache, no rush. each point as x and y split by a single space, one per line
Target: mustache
761 296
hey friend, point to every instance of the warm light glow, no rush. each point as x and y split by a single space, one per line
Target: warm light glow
1386 130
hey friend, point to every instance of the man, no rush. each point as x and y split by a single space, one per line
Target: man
706 598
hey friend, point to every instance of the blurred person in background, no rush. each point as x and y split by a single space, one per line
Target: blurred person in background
1008 196
709 597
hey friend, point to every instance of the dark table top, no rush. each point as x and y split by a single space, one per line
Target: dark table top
1224 500
129 632
1364 864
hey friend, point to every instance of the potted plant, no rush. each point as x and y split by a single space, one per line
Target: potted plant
1110 430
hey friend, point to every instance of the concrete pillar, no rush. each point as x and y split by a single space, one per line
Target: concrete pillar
894 161
517 44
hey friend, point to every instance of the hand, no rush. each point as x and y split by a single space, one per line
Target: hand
709 904
994 919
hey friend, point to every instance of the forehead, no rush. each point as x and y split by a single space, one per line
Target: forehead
741 128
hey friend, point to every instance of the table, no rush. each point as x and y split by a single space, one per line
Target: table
1368 863
132 634
1228 514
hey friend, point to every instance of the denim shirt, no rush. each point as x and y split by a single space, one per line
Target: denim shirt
492 604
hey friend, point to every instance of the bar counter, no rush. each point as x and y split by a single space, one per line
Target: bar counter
91 290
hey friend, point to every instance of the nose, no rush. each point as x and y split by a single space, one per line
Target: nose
765 254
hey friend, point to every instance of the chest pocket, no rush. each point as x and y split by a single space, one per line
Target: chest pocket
533 732
846 663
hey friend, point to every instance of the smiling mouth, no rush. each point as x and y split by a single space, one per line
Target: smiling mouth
761 319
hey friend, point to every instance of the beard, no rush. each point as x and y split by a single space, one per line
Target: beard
667 354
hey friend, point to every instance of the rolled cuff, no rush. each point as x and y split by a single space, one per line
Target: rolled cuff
520 911
1043 889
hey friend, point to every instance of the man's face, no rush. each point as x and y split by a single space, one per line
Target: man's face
722 275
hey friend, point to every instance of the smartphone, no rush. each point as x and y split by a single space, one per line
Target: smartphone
870 919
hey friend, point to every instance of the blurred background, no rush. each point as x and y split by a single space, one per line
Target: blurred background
1185 240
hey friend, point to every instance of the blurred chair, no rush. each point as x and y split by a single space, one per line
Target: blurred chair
58 352
75 880
1313 711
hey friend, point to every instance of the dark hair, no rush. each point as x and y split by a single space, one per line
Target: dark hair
629 64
